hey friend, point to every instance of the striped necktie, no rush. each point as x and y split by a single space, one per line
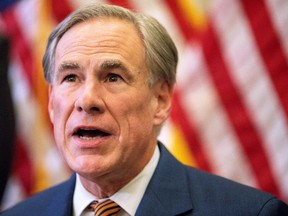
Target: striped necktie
106 208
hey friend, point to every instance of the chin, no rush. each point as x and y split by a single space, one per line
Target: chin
88 165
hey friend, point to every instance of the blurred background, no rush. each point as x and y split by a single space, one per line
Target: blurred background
230 111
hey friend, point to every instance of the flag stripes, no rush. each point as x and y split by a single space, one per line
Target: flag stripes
187 30
217 135
60 11
22 166
20 47
269 47
254 85
180 118
123 3
278 12
239 116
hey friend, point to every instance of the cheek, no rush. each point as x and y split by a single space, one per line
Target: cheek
57 119
145 108
58 109
139 112
62 108
62 101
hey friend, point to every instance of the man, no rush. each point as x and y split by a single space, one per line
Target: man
111 74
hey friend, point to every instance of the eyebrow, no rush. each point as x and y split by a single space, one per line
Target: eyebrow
117 64
68 66
113 64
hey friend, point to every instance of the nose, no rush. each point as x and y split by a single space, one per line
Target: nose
89 99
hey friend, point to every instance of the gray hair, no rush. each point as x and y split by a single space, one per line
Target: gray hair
161 53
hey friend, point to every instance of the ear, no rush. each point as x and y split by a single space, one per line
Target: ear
50 104
164 94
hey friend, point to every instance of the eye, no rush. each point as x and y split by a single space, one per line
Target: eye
113 78
70 78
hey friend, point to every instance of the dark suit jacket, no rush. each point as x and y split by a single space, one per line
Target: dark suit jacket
174 189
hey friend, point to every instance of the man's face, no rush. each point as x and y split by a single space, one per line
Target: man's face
103 111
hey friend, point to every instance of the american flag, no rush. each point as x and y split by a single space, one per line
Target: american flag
230 109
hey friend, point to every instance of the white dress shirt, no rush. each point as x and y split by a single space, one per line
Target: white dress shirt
128 197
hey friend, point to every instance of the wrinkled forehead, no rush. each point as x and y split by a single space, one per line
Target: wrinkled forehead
64 31
108 38
101 34
103 30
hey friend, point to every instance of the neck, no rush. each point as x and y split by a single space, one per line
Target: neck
103 189
107 184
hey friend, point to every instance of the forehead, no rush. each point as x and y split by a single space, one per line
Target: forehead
101 32
102 38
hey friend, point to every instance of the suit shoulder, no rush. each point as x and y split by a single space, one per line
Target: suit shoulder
217 185
217 191
41 201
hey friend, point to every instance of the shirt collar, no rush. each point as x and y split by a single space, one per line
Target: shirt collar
81 198
128 197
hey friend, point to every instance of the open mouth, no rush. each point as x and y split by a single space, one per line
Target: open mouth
90 134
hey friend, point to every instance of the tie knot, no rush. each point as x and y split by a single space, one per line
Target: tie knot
106 208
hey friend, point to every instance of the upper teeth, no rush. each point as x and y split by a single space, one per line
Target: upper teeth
88 138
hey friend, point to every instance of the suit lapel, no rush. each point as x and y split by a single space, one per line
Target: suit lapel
62 204
167 192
